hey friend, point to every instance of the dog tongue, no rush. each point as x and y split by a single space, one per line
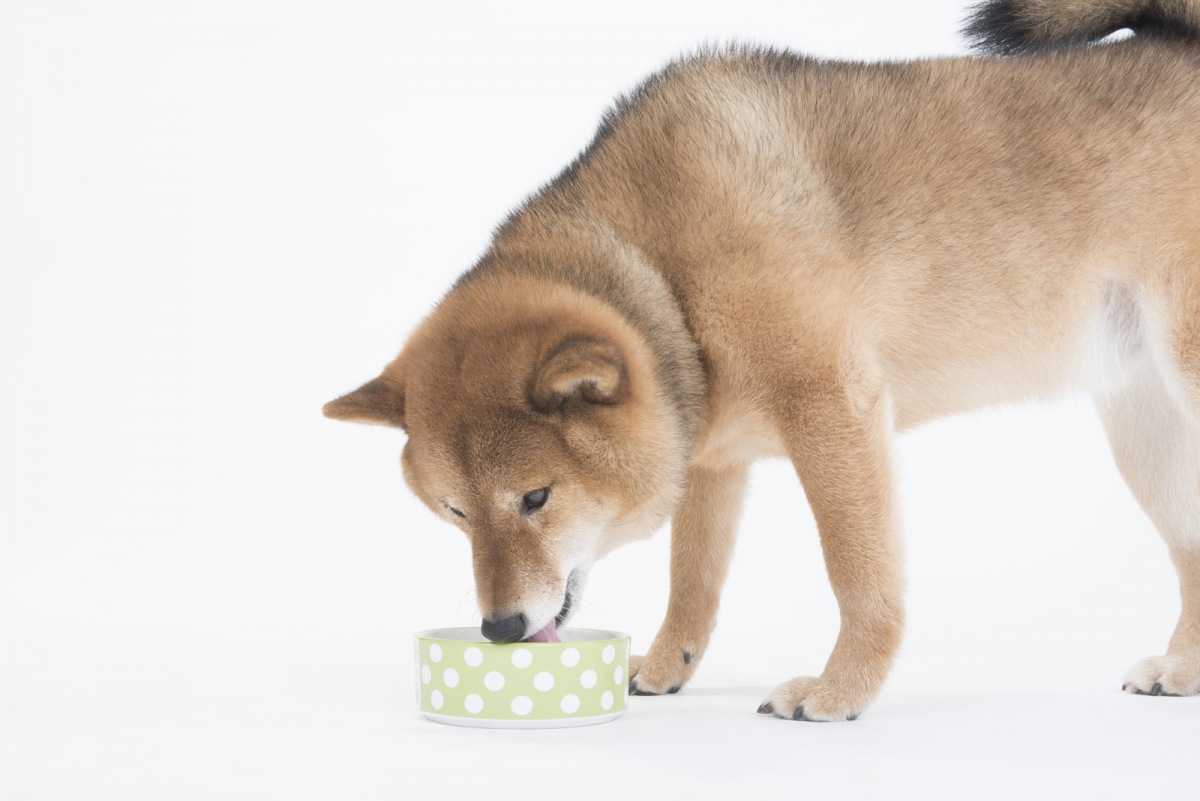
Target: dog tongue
548 634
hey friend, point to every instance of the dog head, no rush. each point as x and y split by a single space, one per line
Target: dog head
537 426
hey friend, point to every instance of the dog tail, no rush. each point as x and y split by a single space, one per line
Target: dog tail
1011 27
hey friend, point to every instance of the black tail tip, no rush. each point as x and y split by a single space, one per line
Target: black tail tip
1012 27
996 28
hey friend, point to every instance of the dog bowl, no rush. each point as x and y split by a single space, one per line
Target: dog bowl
464 679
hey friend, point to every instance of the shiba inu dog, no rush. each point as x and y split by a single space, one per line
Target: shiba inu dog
762 255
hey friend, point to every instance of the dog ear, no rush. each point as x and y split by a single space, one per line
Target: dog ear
379 401
579 369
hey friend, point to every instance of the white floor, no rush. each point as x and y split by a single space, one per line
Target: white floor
209 713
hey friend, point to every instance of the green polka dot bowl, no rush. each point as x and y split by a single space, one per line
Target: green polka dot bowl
464 679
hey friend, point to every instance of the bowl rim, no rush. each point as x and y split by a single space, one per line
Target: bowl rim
588 636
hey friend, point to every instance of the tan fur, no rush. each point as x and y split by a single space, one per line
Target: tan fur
763 255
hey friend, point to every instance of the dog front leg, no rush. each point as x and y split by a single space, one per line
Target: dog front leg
702 535
839 436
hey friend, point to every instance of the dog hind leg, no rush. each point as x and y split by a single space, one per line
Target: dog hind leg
1153 423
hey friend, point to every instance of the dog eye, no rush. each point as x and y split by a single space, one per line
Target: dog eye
452 509
535 500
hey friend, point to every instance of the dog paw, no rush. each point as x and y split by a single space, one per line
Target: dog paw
813 699
1164 675
655 675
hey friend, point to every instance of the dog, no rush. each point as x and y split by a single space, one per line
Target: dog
766 255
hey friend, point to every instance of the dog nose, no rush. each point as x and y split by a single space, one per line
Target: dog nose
505 629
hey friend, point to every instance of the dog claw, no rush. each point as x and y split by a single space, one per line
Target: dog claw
634 689
765 708
1156 689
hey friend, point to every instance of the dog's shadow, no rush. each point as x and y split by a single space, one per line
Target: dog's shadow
904 705
748 692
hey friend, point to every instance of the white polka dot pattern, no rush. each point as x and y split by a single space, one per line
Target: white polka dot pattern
579 680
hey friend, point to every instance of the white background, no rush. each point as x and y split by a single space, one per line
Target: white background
215 216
